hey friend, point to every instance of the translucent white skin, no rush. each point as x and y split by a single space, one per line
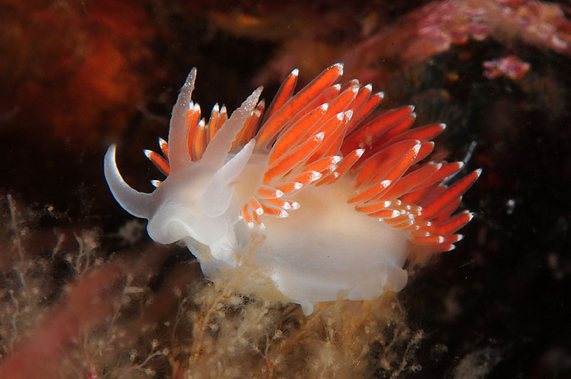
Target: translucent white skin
339 252
324 251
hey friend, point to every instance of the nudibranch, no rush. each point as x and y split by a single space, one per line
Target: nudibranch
335 194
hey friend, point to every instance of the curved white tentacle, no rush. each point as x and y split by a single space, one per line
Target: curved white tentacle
139 204
217 150
178 145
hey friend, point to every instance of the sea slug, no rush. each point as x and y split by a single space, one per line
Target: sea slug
319 194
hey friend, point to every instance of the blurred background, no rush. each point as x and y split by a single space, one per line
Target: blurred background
76 76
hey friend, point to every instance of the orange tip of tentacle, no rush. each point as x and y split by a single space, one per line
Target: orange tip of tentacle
290 188
213 122
452 224
159 162
454 191
374 207
275 212
279 203
255 206
442 248
328 179
164 146
385 214
267 192
370 192
308 177
348 161
430 240
324 164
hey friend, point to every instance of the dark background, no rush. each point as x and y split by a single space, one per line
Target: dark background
78 75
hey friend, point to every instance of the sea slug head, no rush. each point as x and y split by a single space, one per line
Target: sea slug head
195 200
